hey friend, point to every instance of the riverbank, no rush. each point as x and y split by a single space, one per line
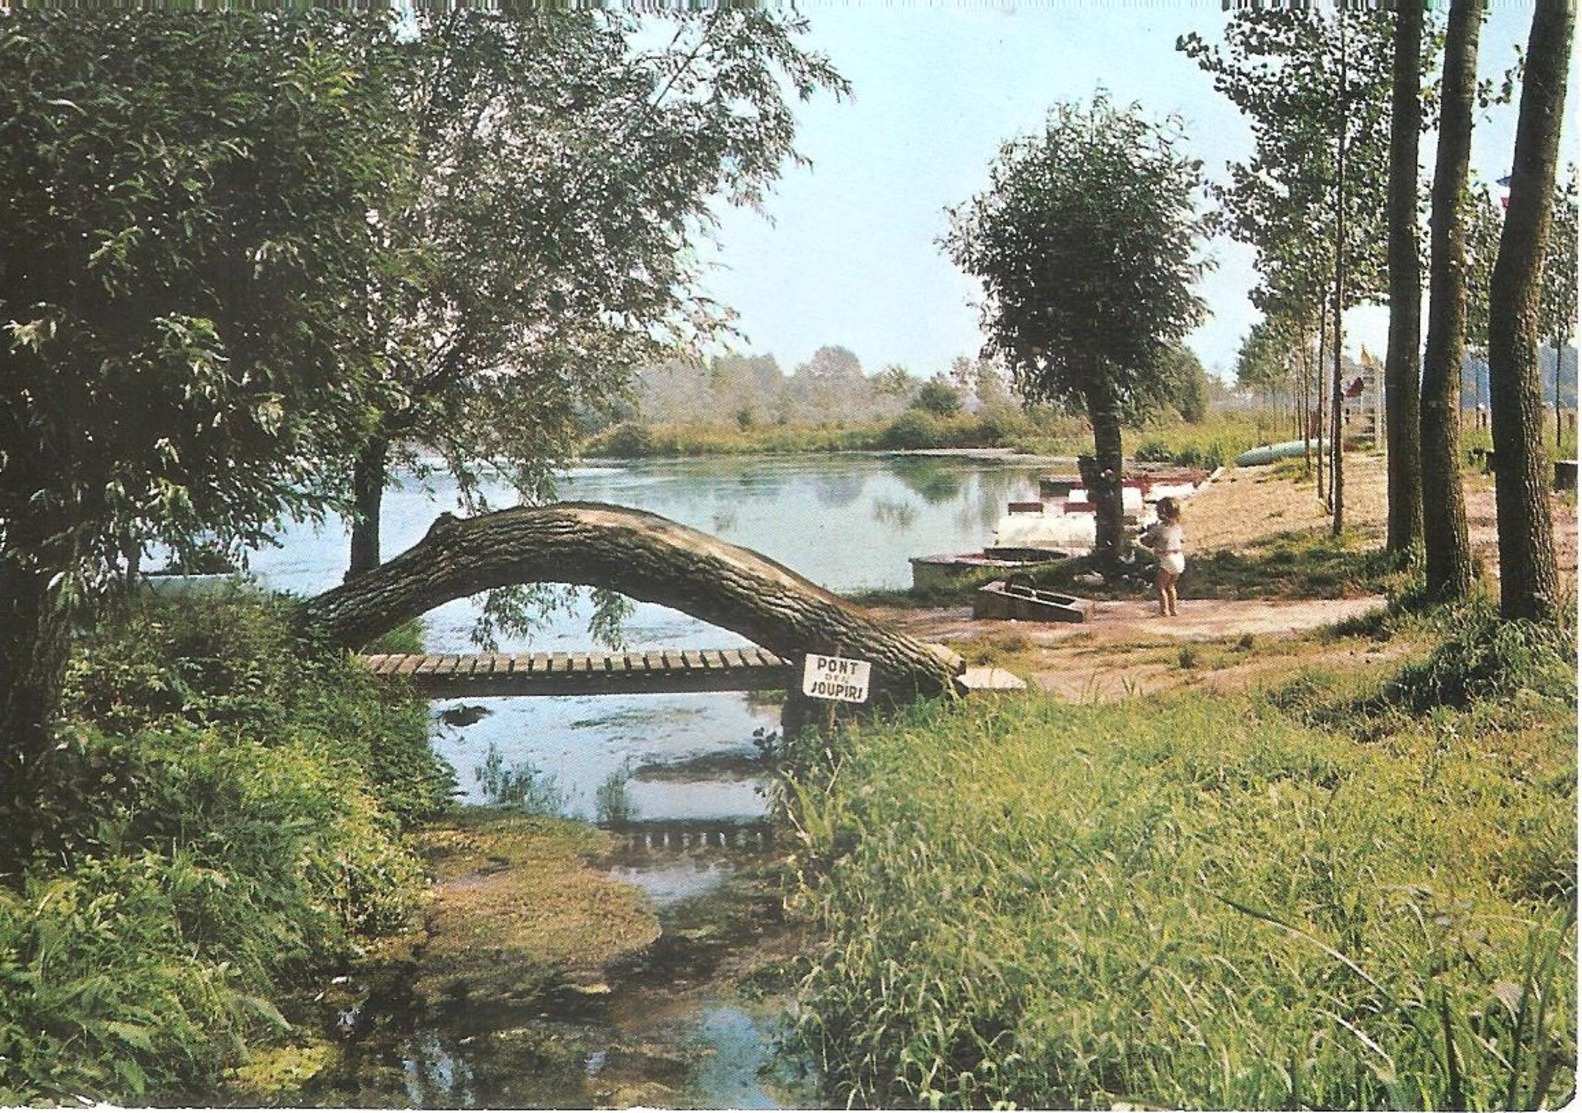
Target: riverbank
562 966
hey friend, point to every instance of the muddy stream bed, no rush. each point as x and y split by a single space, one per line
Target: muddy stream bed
587 960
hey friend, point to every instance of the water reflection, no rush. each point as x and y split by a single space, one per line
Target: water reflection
935 482
680 776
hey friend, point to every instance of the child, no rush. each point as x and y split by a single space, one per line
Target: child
1167 540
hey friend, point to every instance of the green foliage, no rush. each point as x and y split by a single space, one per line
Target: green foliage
913 429
223 815
1282 69
1192 903
522 785
179 359
237 664
1085 242
562 166
612 803
1485 659
937 397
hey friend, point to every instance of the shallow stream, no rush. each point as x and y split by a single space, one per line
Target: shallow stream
685 1025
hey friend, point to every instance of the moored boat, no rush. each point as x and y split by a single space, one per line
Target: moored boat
1016 597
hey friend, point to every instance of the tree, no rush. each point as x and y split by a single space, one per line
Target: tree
1317 93
1086 244
939 397
183 217
1403 359
1187 386
1557 308
1447 562
1529 577
564 168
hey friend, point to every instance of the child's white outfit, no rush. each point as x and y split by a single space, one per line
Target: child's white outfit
1168 540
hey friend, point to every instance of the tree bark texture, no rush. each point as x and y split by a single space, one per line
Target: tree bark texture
1102 478
1447 551
1529 578
643 556
1337 466
369 475
35 642
1403 359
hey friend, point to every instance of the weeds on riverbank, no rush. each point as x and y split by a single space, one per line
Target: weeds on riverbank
223 819
1042 430
1204 901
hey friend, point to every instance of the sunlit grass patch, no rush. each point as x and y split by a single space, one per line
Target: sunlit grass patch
1185 902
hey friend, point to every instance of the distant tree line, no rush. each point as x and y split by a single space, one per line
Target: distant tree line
747 392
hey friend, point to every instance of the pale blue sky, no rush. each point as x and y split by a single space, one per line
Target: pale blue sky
852 257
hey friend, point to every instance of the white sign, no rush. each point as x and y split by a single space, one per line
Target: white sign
835 678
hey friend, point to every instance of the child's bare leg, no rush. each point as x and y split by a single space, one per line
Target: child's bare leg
1162 590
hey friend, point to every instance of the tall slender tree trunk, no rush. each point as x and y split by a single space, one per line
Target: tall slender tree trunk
1529 578
1104 482
1447 553
1336 469
1403 360
35 641
1318 404
369 474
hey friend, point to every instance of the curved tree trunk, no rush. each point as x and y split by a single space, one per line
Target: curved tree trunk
1529 578
1447 551
1403 357
640 555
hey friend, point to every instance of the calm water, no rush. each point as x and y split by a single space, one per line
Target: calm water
668 1034
844 522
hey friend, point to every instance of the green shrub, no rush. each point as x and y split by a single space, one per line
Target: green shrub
627 441
913 429
1486 658
237 663
220 822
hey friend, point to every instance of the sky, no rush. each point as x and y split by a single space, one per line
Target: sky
847 251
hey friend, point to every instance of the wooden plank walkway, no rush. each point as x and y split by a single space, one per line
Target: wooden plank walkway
447 675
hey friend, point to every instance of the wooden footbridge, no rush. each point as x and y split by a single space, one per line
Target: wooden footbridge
643 556
449 675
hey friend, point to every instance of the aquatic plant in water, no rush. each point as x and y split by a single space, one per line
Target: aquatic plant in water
523 785
612 803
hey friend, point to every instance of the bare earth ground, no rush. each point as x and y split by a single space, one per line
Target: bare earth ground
1126 647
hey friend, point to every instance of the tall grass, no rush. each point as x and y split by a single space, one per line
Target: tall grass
1182 903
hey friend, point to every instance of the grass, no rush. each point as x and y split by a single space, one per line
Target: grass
1230 901
1039 431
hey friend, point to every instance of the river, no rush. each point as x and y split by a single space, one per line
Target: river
677 765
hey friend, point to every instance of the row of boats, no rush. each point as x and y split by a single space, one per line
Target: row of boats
1035 534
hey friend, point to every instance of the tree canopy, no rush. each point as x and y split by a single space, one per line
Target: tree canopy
565 163
1086 243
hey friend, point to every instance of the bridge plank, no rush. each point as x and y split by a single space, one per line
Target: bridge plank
635 672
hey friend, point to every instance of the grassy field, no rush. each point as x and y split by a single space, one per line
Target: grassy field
1354 890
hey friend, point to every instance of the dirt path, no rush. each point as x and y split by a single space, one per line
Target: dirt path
1126 648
